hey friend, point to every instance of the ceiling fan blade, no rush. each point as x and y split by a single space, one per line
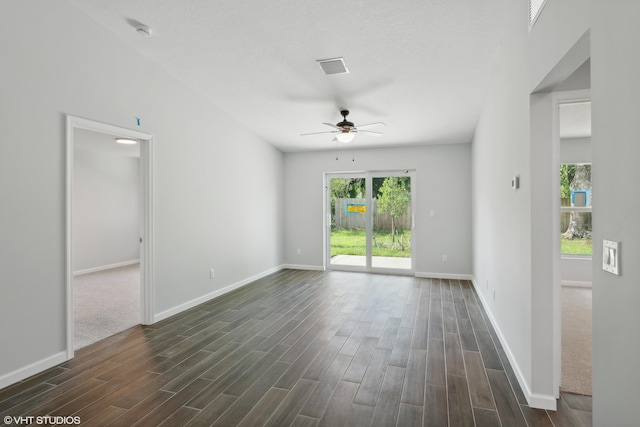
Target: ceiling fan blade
318 133
370 132
370 125
332 125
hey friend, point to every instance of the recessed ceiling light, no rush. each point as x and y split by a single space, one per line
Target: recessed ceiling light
126 141
333 66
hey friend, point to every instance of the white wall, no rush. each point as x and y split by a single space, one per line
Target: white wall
106 211
501 216
575 150
579 80
607 32
615 91
513 229
560 26
443 184
205 171
576 271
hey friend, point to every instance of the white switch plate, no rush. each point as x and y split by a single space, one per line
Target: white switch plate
432 213
212 274
445 258
611 256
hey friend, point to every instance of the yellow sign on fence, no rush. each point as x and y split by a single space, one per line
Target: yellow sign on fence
356 209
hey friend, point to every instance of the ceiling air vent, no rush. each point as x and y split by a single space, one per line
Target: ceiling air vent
333 66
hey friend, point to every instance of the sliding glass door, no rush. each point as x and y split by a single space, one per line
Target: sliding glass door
347 221
370 221
392 221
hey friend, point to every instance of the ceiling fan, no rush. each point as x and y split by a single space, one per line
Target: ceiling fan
345 130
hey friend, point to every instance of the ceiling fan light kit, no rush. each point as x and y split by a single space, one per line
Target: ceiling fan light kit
345 137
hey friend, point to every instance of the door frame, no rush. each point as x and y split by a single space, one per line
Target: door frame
368 176
146 243
557 99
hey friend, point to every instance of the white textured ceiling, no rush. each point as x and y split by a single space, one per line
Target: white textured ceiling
420 66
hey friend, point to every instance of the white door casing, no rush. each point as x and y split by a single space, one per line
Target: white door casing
146 237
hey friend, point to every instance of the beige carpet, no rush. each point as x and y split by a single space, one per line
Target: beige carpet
576 340
105 303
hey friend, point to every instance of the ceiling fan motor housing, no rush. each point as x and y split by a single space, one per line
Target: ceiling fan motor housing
345 124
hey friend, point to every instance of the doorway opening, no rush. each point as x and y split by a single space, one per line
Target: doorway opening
370 221
575 264
109 238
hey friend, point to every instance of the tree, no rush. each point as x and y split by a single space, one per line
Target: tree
567 172
393 199
347 188
339 187
376 184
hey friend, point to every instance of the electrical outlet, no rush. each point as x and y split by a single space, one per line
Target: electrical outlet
445 258
212 274
299 251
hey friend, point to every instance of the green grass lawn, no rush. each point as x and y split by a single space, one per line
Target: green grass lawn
575 246
353 242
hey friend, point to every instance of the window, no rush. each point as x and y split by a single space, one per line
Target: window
535 7
575 209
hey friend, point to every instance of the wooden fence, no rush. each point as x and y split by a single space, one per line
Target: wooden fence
350 215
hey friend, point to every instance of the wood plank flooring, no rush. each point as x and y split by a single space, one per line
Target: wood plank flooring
300 348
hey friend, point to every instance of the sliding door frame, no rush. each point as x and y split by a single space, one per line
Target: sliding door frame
368 176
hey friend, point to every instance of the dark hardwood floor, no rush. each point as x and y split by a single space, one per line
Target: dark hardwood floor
300 348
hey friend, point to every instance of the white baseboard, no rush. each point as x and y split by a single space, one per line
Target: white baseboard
34 368
538 401
575 284
444 276
303 267
542 401
417 274
106 267
197 301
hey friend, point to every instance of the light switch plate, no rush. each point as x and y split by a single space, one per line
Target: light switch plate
515 182
611 257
